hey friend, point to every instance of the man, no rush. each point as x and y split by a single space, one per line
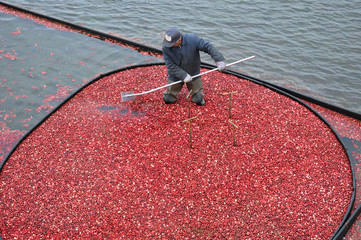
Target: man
182 58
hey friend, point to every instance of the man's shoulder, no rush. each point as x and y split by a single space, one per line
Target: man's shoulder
190 35
191 38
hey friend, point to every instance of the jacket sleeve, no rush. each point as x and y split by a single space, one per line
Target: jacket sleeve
207 47
173 69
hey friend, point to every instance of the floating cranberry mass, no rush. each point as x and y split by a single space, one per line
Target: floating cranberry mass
103 168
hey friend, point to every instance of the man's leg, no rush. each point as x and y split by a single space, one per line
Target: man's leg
197 88
170 95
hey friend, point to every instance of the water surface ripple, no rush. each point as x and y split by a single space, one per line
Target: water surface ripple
311 47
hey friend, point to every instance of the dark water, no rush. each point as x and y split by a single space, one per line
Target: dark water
41 66
309 46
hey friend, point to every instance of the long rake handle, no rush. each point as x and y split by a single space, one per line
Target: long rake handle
198 75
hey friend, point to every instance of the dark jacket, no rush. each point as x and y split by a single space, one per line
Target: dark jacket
186 58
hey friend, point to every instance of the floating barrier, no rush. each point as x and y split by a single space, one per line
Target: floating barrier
347 220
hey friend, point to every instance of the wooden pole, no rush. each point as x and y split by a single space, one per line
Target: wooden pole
233 132
229 103
190 130
189 103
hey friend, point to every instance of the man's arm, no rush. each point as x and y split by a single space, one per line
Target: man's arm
207 47
174 69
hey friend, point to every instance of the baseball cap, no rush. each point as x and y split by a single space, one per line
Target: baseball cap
171 36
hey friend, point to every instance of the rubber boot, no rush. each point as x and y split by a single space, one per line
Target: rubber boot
169 98
198 99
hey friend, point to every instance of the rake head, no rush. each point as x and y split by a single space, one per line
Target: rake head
127 96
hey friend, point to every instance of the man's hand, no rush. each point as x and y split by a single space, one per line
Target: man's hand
187 79
221 66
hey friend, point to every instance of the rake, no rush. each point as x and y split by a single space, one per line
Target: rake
129 96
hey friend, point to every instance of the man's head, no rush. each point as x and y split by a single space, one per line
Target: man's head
171 37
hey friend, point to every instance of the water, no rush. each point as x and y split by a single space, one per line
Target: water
40 66
309 46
